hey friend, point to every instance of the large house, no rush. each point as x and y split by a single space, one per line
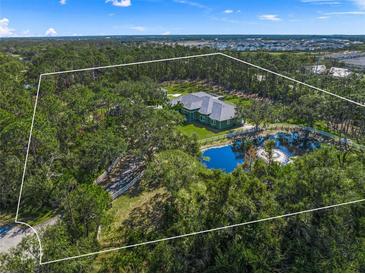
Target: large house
208 110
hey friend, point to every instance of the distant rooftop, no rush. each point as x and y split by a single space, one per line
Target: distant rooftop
207 104
340 72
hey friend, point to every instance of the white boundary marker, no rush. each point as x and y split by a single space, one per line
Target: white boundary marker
183 235
206 231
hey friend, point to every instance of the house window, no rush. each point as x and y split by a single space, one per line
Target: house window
213 122
228 122
201 118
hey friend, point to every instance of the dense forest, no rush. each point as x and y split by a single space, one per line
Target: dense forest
85 120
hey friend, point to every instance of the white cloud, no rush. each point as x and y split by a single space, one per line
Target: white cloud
51 32
62 2
229 11
323 17
346 13
138 28
191 3
322 2
359 3
4 28
166 33
120 3
269 17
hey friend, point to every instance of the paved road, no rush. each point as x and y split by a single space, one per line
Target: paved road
11 235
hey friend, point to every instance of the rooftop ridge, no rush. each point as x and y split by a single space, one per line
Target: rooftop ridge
207 104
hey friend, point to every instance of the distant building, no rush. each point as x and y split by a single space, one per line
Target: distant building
260 77
318 69
207 109
340 72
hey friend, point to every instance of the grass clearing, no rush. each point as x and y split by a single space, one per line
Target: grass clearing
42 218
200 131
238 101
6 218
187 87
121 208
119 212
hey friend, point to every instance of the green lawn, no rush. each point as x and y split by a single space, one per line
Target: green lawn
238 101
200 131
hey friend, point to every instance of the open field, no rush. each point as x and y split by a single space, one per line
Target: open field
119 212
187 87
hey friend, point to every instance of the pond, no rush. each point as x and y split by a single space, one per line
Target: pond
227 158
223 158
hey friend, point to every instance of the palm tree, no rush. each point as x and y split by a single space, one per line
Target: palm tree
250 155
269 149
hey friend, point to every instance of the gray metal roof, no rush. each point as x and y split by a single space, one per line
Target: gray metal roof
206 104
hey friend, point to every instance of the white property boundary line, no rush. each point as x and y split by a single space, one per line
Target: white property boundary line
205 231
183 235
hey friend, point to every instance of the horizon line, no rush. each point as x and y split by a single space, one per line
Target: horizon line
171 35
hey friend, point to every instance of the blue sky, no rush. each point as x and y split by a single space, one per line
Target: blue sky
128 17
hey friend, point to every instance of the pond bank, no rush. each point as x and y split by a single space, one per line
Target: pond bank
216 144
226 141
